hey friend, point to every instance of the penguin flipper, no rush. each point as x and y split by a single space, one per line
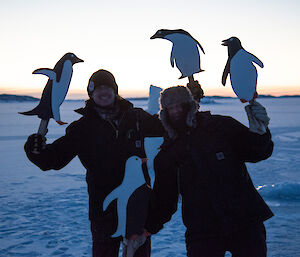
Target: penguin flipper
200 46
45 71
226 72
110 197
256 60
172 57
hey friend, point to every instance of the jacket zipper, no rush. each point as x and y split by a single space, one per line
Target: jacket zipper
179 168
115 127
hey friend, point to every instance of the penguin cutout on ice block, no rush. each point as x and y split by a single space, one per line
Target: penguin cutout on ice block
243 74
152 144
132 200
56 88
153 104
185 51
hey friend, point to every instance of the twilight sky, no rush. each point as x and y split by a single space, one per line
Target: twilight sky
115 35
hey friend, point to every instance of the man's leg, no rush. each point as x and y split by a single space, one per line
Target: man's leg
208 247
250 242
103 246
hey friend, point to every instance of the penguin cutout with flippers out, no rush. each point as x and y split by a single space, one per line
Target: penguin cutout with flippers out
56 88
243 74
185 51
132 200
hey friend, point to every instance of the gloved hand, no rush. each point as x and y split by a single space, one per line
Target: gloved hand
258 117
35 144
129 246
196 90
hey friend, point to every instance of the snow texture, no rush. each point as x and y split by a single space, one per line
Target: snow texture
46 213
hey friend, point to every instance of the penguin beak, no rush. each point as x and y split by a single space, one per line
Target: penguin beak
154 36
78 60
158 34
225 42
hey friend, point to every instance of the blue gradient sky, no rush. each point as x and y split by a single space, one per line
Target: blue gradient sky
114 35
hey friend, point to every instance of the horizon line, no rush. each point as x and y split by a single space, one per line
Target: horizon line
146 97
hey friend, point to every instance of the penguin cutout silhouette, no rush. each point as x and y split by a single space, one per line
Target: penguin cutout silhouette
132 200
56 88
185 53
243 74
152 147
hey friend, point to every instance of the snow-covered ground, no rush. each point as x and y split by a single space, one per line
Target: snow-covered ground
46 213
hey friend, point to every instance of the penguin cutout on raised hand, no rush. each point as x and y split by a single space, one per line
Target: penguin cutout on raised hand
56 88
132 200
185 51
243 74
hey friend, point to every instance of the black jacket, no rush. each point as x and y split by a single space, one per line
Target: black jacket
103 149
206 166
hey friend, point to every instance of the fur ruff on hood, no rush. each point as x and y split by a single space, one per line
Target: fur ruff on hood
177 95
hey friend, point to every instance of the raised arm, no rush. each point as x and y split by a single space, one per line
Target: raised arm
150 125
56 155
249 146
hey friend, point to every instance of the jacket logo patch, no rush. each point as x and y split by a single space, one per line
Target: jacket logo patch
220 156
130 133
138 144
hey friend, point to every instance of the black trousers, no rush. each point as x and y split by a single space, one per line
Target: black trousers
103 246
248 242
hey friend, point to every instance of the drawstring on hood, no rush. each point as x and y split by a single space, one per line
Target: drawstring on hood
177 95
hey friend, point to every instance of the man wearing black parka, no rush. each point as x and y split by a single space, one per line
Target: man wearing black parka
109 132
203 160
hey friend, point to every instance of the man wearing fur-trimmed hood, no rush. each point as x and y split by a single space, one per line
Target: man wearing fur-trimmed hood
203 160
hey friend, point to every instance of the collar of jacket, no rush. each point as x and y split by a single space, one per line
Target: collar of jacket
89 106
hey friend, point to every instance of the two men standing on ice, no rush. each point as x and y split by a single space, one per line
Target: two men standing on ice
202 159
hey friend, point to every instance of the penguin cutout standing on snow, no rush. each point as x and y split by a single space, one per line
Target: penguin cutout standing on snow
185 51
243 74
56 88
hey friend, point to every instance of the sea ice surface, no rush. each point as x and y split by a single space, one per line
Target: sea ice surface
46 213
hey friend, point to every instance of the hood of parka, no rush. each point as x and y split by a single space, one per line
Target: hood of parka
177 95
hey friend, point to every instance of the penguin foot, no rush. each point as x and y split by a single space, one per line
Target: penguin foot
61 122
255 95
